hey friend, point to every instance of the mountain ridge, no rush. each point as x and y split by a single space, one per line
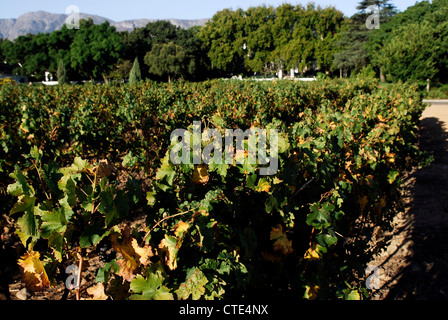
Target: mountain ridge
46 22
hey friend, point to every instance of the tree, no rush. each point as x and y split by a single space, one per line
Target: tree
95 49
122 70
167 60
408 55
2 56
353 52
135 74
61 73
223 37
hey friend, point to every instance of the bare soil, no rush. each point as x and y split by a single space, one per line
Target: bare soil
414 265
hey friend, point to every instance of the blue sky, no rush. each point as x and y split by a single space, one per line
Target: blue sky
157 9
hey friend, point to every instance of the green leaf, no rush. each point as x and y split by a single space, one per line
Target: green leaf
150 197
56 241
392 176
271 204
129 160
103 273
68 186
251 180
79 164
92 235
352 295
326 240
21 186
53 222
220 168
320 215
150 288
35 152
25 204
52 176
28 226
283 143
193 285
166 172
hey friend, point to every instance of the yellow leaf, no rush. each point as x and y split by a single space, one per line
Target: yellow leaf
97 291
390 157
181 228
277 180
34 275
281 244
169 244
312 253
381 119
200 174
263 186
311 292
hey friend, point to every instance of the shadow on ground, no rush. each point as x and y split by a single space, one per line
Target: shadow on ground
424 273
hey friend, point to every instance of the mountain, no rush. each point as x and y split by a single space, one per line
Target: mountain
45 22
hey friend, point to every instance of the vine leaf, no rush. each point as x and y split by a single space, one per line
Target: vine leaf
282 244
200 174
166 173
132 255
194 285
34 275
97 292
181 228
311 292
312 253
150 288
169 244
320 215
21 186
263 185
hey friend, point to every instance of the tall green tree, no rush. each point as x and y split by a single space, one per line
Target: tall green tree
353 53
135 74
61 73
166 60
95 49
224 38
407 56
432 14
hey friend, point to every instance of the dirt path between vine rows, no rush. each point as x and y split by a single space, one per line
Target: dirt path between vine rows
415 263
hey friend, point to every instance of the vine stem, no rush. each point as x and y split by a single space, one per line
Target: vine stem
158 223
40 178
78 282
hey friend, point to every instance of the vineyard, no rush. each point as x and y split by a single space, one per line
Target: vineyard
86 180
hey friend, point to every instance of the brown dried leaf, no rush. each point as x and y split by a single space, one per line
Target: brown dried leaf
104 169
97 291
281 244
34 275
132 254
200 174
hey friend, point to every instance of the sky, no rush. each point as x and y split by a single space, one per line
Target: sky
165 9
